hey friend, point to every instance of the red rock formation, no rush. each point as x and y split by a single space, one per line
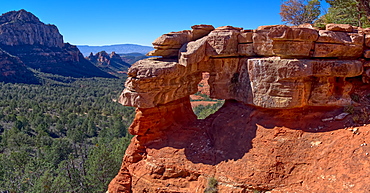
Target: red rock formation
290 123
110 63
40 46
150 124
24 28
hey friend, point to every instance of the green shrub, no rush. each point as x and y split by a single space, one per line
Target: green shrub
212 186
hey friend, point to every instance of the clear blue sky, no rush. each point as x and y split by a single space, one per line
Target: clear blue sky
98 22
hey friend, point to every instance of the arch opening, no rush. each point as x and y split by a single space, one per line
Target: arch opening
201 102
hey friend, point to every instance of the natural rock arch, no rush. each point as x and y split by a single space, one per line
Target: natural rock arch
271 67
295 76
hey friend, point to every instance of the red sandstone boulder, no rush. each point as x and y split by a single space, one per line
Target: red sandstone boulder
169 44
291 42
199 31
222 42
246 50
193 52
340 37
262 44
221 77
293 34
339 27
342 51
172 40
245 36
339 44
157 81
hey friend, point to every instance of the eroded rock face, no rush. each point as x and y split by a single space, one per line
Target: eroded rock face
225 52
158 81
281 84
40 46
291 83
23 28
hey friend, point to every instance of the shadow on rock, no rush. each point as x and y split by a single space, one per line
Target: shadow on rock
228 134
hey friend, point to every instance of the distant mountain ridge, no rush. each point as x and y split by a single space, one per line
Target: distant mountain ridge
118 48
26 42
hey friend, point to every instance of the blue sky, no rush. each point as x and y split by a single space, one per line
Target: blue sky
97 22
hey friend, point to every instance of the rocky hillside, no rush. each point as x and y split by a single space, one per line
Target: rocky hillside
110 63
12 69
41 47
295 118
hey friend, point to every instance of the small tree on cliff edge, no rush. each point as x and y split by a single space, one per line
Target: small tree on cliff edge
298 12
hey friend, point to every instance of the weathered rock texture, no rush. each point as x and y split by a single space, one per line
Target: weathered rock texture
282 128
23 28
41 47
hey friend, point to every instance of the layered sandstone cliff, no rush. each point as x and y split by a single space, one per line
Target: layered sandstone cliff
293 96
41 47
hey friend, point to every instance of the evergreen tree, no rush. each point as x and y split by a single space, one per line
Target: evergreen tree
353 12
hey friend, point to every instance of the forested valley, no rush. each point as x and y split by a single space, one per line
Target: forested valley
65 135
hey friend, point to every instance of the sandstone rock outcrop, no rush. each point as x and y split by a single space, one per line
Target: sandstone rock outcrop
297 69
278 131
168 45
23 28
40 46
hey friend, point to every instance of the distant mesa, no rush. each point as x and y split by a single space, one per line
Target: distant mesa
40 46
110 63
118 48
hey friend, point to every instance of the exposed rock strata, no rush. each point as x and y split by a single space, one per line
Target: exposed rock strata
275 81
276 132
41 47
23 28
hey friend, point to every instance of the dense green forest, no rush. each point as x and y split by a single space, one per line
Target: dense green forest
203 111
66 135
